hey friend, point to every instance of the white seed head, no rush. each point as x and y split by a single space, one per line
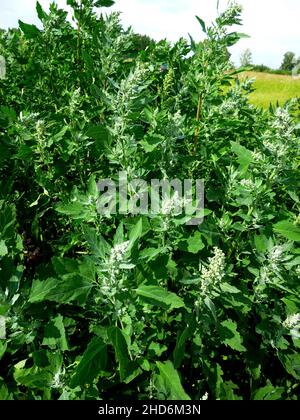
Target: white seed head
292 323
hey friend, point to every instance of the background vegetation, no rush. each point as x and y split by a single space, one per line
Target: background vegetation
143 306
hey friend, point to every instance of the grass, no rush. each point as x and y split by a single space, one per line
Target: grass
273 88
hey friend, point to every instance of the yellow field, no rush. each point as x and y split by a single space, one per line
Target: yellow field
273 88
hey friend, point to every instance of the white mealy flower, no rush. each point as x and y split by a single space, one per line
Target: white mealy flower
227 107
172 205
215 271
113 281
257 156
275 254
248 184
231 12
74 101
292 323
118 252
57 382
204 397
282 120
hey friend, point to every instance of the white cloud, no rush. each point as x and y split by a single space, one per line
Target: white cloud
272 24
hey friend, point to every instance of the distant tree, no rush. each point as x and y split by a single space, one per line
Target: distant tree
141 42
289 61
246 58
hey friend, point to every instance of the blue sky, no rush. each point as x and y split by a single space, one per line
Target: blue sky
273 25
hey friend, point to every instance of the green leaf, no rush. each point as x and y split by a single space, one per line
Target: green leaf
195 243
40 12
291 363
30 31
179 351
227 288
202 23
211 306
157 296
101 136
151 142
104 3
127 368
244 155
98 245
32 377
3 249
3 347
72 288
288 230
168 382
135 233
268 392
93 361
55 335
230 336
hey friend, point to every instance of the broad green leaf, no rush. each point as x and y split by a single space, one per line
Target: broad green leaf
168 382
244 155
93 361
230 336
211 306
32 377
288 230
157 296
195 243
40 12
151 253
30 31
127 368
150 143
55 334
101 136
98 245
228 288
3 249
72 288
268 392
291 363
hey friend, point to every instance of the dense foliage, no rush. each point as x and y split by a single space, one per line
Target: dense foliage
128 306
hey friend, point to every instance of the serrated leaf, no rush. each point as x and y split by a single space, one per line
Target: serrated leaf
268 392
30 31
98 245
93 361
55 334
194 243
40 12
168 382
72 288
230 336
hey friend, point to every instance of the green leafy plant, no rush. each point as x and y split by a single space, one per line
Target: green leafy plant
143 304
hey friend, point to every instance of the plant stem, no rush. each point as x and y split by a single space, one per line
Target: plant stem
198 118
